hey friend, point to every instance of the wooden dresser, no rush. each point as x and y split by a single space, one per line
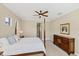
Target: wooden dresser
65 43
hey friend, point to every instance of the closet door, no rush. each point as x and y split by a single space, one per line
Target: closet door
39 32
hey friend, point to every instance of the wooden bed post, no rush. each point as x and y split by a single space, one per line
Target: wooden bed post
16 28
44 34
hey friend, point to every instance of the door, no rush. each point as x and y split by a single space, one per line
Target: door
39 31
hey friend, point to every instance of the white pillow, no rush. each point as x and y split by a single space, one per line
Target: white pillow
16 37
4 42
11 40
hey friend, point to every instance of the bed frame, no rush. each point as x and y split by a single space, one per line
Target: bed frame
30 54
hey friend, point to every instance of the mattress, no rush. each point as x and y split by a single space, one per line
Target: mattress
25 45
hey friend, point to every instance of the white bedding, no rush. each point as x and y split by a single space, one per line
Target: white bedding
25 45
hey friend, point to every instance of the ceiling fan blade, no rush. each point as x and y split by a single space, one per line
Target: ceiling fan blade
45 15
37 12
45 12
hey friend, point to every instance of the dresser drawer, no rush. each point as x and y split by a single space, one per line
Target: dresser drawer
65 41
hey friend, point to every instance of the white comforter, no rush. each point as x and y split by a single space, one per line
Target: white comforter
25 45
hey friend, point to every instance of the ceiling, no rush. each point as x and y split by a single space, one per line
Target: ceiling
27 10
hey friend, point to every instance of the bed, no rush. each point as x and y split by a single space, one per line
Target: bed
25 47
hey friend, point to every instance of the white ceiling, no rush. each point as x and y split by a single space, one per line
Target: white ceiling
26 10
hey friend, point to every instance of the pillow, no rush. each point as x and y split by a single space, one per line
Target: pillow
11 40
16 38
4 42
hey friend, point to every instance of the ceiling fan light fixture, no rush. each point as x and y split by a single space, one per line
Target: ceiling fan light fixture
40 13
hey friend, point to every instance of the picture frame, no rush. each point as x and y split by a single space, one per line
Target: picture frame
65 28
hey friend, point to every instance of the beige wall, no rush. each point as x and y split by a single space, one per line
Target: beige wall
73 19
29 28
6 30
47 30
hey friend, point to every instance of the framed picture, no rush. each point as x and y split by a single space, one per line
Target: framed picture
65 28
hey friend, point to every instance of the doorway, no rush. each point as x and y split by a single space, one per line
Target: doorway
39 30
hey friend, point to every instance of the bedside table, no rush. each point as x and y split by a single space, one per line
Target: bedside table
21 36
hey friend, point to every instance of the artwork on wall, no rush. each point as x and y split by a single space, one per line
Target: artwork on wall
8 21
65 28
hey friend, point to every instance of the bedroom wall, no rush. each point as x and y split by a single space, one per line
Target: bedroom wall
6 30
47 30
29 28
73 19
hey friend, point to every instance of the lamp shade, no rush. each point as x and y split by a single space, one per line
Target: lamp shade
20 31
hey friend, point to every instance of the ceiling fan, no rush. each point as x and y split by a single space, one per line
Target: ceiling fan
41 13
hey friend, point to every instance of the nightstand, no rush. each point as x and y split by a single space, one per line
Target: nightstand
22 36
